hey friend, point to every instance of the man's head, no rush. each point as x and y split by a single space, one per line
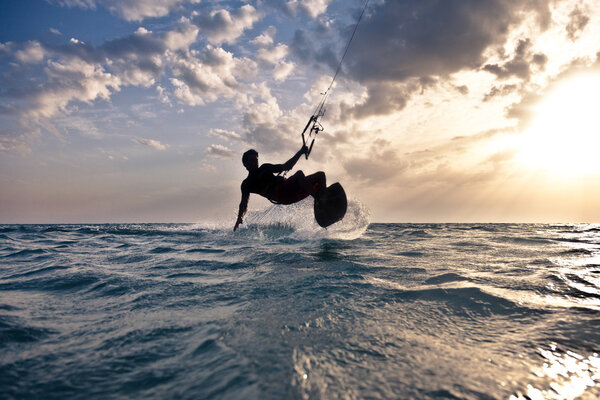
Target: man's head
250 159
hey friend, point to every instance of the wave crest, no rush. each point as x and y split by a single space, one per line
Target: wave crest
297 221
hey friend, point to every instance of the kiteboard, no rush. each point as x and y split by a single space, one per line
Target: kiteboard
331 206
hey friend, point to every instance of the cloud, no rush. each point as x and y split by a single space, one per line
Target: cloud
79 71
521 64
437 38
16 139
222 26
460 166
136 59
305 48
383 98
48 79
130 10
312 8
69 80
499 91
32 53
283 70
525 109
155 144
273 55
265 125
217 150
379 165
201 77
402 41
225 134
182 36
266 39
578 20
42 80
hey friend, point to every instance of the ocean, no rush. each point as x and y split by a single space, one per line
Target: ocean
283 309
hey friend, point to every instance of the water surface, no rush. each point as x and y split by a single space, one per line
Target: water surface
286 310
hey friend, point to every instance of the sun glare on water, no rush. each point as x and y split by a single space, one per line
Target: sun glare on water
564 138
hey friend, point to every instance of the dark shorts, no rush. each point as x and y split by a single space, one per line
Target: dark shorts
289 192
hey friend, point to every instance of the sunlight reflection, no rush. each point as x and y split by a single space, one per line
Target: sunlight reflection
578 267
571 375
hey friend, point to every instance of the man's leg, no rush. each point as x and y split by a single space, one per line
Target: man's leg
298 186
300 180
318 181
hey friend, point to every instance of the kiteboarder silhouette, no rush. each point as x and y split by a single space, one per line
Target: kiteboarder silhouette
265 180
330 202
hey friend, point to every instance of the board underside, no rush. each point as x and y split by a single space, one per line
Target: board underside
331 206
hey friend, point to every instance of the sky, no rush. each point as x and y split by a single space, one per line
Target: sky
443 110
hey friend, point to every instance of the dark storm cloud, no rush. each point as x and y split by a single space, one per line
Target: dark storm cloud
418 38
308 51
384 98
399 41
521 64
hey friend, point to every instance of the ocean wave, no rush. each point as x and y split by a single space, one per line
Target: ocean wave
573 285
466 301
296 222
12 330
115 287
416 233
206 250
27 252
66 282
445 278
576 252
4 236
411 253
283 308
36 270
531 240
163 250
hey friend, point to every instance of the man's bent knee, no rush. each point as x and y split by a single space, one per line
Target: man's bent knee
299 174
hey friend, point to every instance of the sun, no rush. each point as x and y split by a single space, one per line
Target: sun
564 137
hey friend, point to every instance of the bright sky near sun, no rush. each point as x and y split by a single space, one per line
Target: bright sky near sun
444 111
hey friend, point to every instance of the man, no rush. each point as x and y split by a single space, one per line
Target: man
263 181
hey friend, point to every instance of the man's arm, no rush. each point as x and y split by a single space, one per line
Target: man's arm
289 164
243 206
